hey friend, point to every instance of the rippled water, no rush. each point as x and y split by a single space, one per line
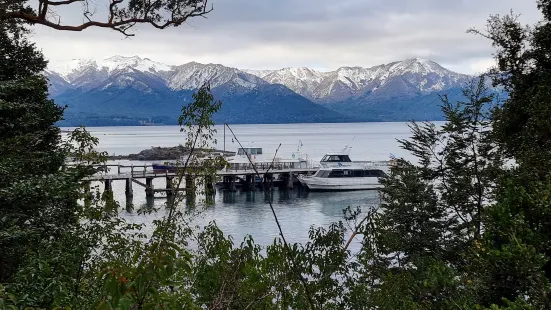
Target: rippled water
244 213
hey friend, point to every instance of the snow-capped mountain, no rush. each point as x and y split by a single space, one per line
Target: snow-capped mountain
422 75
304 81
73 68
125 90
139 86
192 75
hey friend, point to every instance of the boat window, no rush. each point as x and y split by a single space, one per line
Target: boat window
348 173
358 173
241 152
318 174
345 158
253 151
336 174
374 173
259 151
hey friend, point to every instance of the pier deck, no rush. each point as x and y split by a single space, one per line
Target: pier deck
231 178
151 174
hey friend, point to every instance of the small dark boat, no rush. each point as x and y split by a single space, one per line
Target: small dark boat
166 167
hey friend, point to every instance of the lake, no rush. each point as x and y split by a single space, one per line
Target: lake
242 213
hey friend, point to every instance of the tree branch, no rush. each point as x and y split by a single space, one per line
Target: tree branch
356 231
119 19
55 3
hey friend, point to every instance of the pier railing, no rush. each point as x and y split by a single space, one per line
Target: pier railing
147 169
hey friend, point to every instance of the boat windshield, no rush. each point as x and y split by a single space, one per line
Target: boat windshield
250 151
336 158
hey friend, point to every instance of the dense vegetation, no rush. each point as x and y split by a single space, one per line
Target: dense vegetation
468 226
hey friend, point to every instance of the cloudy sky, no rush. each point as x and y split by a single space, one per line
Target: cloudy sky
320 34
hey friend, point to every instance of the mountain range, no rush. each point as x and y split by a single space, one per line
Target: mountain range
132 90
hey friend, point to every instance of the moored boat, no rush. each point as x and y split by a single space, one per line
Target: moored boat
351 177
339 173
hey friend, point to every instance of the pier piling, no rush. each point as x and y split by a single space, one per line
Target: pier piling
190 190
209 186
149 188
268 181
249 182
289 180
229 183
107 185
169 186
128 188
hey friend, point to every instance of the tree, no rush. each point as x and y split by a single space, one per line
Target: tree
121 15
523 69
418 244
29 151
517 240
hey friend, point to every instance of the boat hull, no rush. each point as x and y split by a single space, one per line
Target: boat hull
340 184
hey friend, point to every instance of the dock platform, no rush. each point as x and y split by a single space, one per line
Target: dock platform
245 178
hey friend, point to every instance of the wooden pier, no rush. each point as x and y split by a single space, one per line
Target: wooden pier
247 179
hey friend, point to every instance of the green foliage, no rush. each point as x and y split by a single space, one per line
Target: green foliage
457 229
29 154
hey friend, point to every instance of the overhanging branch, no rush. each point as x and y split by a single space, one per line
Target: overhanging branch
119 19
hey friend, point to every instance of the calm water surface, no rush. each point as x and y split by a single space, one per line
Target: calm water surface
239 214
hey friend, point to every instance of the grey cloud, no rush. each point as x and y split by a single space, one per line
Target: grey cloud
322 33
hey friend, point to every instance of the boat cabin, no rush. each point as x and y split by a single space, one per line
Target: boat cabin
350 173
241 159
254 153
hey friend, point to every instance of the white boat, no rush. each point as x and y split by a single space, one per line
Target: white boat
339 173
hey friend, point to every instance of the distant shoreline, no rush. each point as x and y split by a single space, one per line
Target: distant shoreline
165 153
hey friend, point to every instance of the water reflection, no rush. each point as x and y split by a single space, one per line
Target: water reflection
241 213
251 196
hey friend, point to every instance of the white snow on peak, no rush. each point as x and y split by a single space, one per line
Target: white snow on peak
135 62
301 80
426 74
75 67
193 75
417 65
416 74
66 68
259 73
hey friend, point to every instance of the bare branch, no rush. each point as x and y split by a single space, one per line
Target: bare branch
54 3
358 227
160 14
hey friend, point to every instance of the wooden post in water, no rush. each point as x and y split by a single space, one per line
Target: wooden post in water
190 190
268 181
128 188
149 187
169 186
232 184
289 180
107 185
209 186
249 182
